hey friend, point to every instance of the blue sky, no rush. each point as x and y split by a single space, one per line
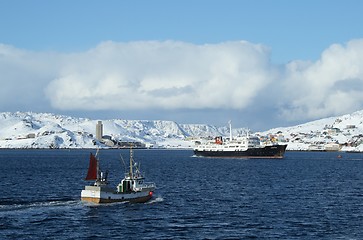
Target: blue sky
292 45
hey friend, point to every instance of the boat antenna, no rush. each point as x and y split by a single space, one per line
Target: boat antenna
97 152
123 162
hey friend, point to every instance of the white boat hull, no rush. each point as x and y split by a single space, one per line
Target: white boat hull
96 194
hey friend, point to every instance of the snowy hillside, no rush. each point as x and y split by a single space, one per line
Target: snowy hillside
45 130
345 132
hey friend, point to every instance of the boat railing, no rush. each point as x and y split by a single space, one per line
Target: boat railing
135 175
149 185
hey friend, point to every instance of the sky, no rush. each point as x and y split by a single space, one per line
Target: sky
259 63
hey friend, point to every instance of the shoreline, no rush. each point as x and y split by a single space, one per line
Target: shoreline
144 148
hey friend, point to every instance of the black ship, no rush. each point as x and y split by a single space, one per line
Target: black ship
235 151
240 147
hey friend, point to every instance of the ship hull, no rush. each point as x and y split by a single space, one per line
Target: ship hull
114 200
274 151
95 194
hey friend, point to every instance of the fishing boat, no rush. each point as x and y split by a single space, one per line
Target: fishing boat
240 147
132 188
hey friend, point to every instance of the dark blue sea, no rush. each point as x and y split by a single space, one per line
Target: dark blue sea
303 196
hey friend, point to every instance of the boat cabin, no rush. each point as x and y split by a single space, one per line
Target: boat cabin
131 184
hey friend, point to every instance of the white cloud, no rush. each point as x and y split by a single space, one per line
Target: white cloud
23 76
330 86
175 75
166 75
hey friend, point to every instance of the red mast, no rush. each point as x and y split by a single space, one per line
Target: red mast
92 169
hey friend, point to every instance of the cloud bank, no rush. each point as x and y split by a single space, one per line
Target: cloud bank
330 86
177 75
168 75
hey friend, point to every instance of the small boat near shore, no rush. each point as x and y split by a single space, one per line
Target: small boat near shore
132 188
239 147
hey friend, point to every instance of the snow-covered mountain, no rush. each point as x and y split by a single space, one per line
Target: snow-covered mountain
46 130
343 132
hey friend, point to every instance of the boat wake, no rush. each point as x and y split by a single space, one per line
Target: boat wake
15 205
354 159
156 200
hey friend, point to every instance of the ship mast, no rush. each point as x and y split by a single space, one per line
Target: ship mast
131 162
230 130
98 165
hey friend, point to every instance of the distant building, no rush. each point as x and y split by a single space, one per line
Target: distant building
131 144
30 135
332 147
316 147
99 130
108 142
333 131
106 137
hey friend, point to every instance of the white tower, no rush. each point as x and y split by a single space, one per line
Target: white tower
99 130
